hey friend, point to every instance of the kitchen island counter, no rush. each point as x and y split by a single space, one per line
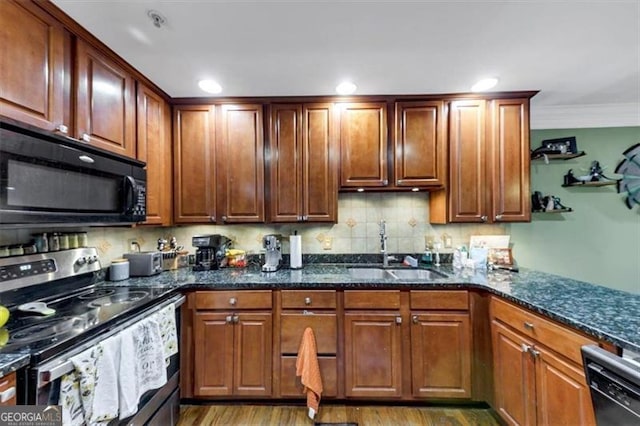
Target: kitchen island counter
604 313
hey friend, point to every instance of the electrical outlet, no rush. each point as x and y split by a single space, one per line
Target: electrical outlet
428 241
326 243
133 244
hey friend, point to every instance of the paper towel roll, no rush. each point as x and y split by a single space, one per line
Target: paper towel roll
295 242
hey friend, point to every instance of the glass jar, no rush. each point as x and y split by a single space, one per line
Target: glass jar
54 242
73 240
16 250
83 240
4 251
64 241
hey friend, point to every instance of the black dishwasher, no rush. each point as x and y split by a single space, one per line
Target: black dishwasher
614 384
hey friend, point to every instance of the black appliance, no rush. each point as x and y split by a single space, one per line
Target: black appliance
614 384
47 178
85 313
210 251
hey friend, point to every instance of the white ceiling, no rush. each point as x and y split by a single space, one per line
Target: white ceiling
583 56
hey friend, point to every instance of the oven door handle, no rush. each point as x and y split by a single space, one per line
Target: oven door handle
61 367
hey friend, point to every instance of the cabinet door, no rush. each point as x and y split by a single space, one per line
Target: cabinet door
373 355
420 144
8 387
509 165
252 354
194 185
467 149
105 102
285 163
562 392
154 148
363 144
213 354
514 376
240 166
441 355
31 65
319 167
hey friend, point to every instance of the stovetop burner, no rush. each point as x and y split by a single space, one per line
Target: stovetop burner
128 297
47 327
99 292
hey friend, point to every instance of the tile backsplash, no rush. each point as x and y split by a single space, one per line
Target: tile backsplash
357 230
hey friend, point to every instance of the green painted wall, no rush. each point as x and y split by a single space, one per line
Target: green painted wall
599 242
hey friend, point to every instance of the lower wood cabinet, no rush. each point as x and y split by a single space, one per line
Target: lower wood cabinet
8 389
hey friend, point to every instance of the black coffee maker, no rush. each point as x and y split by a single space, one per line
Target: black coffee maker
210 251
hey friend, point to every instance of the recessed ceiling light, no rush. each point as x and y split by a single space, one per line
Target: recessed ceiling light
210 86
346 88
484 84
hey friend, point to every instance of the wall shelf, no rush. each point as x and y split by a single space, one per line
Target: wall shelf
558 156
603 183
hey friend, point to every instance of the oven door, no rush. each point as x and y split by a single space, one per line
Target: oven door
44 380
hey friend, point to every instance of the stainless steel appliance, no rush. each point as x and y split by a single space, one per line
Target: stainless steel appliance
273 253
614 384
210 251
85 313
51 179
144 263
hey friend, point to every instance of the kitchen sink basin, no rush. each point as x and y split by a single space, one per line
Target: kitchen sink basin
394 274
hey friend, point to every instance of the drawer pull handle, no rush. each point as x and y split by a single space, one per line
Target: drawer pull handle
307 301
233 301
534 353
525 348
528 325
7 394
236 319
415 319
229 319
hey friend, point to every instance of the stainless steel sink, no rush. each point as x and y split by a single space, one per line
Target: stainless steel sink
394 274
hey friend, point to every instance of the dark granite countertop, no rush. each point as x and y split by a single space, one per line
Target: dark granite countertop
12 362
607 314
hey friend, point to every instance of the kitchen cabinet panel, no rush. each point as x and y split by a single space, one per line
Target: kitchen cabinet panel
441 355
8 387
373 355
420 144
194 164
252 354
363 144
105 102
154 148
240 164
32 65
324 326
213 353
290 386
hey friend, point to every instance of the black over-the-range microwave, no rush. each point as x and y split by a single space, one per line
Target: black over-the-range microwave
49 179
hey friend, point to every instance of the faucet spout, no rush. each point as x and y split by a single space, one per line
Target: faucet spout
383 244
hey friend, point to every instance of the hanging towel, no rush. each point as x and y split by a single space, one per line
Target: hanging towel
142 365
308 369
98 372
168 331
70 400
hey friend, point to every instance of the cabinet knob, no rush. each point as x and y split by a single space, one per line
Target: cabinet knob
305 218
498 217
307 301
236 319
525 348
233 301
212 218
398 320
528 325
229 319
484 218
415 319
534 353
224 218
62 129
85 137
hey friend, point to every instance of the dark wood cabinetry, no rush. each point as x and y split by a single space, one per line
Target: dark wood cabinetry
154 148
240 164
420 144
194 163
105 101
488 163
363 144
32 65
8 389
302 182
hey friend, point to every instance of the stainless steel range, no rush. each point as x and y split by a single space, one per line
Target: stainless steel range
58 309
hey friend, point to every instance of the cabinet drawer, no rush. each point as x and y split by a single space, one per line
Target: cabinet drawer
554 336
440 299
324 329
290 385
8 389
306 299
234 299
364 299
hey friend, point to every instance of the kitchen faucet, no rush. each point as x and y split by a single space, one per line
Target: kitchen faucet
383 245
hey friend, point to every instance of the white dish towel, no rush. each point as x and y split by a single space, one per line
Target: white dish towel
142 365
98 371
168 331
70 400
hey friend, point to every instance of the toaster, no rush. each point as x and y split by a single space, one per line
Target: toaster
144 263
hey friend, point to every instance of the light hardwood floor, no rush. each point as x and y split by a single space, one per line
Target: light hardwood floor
250 415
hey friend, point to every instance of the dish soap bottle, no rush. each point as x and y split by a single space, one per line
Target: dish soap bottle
426 258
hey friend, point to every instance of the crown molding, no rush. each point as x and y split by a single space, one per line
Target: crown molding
585 116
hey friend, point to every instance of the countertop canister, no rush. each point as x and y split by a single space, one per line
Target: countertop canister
119 270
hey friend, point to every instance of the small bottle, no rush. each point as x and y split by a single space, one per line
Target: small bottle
54 242
64 241
83 240
73 240
426 257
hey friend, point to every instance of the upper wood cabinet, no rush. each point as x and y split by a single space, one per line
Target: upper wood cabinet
240 164
105 102
194 139
32 65
488 163
363 144
420 144
154 148
302 177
